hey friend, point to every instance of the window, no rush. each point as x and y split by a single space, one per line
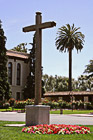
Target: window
18 73
10 73
18 96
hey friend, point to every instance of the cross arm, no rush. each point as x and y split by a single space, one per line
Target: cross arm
47 25
39 26
29 28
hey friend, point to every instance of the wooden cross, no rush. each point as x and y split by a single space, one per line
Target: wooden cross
38 63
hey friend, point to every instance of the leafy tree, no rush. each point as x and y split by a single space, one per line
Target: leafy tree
85 83
20 48
68 39
55 84
89 69
4 85
29 90
82 83
59 83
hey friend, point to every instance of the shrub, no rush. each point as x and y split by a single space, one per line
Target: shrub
20 104
60 102
64 105
29 102
11 101
89 105
54 105
68 105
80 104
6 105
1 104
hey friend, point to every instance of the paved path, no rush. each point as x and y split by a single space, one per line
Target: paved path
83 119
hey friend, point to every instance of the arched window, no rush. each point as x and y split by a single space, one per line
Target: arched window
18 73
10 73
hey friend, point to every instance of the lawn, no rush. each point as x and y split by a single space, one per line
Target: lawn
11 109
14 133
56 111
71 111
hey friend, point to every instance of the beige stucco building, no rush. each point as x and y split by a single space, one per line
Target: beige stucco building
18 70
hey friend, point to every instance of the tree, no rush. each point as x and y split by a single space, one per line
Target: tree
55 84
4 85
89 69
68 39
29 90
20 48
85 83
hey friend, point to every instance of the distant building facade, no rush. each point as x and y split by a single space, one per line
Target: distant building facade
18 70
85 96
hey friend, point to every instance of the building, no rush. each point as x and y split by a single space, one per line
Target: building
18 70
85 96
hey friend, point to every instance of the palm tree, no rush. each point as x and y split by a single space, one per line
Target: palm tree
69 38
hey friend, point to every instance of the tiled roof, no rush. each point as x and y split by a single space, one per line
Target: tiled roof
12 53
48 94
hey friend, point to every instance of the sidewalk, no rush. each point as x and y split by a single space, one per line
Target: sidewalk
82 115
72 119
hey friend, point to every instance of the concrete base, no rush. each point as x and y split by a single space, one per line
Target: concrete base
37 114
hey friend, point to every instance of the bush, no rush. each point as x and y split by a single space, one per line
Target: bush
60 102
20 104
11 101
1 104
54 105
29 102
64 105
6 105
80 104
68 105
89 105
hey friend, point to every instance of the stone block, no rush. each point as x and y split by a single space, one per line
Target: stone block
37 114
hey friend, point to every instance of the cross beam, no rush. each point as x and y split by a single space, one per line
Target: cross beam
40 26
38 62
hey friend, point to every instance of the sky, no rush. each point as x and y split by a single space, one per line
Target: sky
16 14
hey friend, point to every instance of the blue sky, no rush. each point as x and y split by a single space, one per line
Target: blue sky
16 14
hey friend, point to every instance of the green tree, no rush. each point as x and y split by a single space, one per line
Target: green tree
82 82
20 48
85 83
29 90
55 84
89 69
4 85
69 38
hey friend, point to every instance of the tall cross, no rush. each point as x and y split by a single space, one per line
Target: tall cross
38 62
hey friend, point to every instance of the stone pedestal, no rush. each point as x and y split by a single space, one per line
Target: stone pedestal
37 114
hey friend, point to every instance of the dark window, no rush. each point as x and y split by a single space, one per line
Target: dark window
10 73
18 73
18 96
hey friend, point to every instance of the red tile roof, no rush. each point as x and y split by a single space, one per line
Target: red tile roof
12 53
49 94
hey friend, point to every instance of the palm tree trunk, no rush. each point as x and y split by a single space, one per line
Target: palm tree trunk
70 70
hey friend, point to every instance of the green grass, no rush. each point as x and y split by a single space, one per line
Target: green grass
71 112
14 133
57 111
10 109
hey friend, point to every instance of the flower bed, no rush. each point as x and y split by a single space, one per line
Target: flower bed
56 129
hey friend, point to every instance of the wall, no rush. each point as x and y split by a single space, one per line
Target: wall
24 73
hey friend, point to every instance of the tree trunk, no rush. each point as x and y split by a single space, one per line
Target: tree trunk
70 70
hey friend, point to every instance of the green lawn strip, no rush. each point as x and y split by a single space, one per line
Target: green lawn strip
71 112
15 133
10 109
54 111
